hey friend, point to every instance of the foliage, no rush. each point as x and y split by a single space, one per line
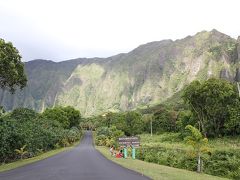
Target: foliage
11 68
224 163
168 149
71 135
23 114
219 163
209 102
199 144
107 136
21 151
185 117
66 116
57 114
134 123
37 132
2 111
164 121
74 116
232 126
131 122
196 140
155 171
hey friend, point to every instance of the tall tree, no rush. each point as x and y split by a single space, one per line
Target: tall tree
191 96
135 123
12 73
210 101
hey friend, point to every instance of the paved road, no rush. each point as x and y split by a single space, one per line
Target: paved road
80 163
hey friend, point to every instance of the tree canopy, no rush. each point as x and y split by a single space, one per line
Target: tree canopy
67 116
12 73
210 102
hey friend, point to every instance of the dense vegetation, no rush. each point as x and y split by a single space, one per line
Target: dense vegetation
214 105
210 106
223 158
26 133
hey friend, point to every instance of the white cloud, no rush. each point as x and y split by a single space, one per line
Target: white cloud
64 29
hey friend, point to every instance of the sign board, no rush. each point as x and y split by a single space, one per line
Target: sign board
128 141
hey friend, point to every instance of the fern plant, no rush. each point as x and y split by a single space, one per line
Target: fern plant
21 151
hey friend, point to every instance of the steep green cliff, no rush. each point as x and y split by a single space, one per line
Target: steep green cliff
149 74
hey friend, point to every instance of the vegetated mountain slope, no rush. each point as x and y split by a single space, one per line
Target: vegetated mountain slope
149 74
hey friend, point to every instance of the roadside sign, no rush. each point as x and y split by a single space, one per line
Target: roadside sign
128 141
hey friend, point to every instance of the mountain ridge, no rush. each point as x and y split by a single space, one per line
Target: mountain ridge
148 74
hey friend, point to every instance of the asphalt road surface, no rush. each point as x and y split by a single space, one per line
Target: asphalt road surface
81 163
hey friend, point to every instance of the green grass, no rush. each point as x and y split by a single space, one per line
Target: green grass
172 141
19 163
166 140
225 143
156 171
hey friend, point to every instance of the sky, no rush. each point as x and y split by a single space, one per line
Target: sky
65 29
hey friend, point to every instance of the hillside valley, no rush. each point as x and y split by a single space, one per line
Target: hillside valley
149 74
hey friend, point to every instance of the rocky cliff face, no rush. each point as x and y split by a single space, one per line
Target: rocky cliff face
147 75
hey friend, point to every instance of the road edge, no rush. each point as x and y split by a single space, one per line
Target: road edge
48 154
136 172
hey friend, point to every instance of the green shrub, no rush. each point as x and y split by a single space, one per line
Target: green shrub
38 133
101 140
67 116
23 114
108 136
164 121
219 163
73 135
224 163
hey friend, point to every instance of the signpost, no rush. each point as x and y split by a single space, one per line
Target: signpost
129 141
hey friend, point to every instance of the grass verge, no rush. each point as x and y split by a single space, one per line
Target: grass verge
19 163
156 171
173 141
